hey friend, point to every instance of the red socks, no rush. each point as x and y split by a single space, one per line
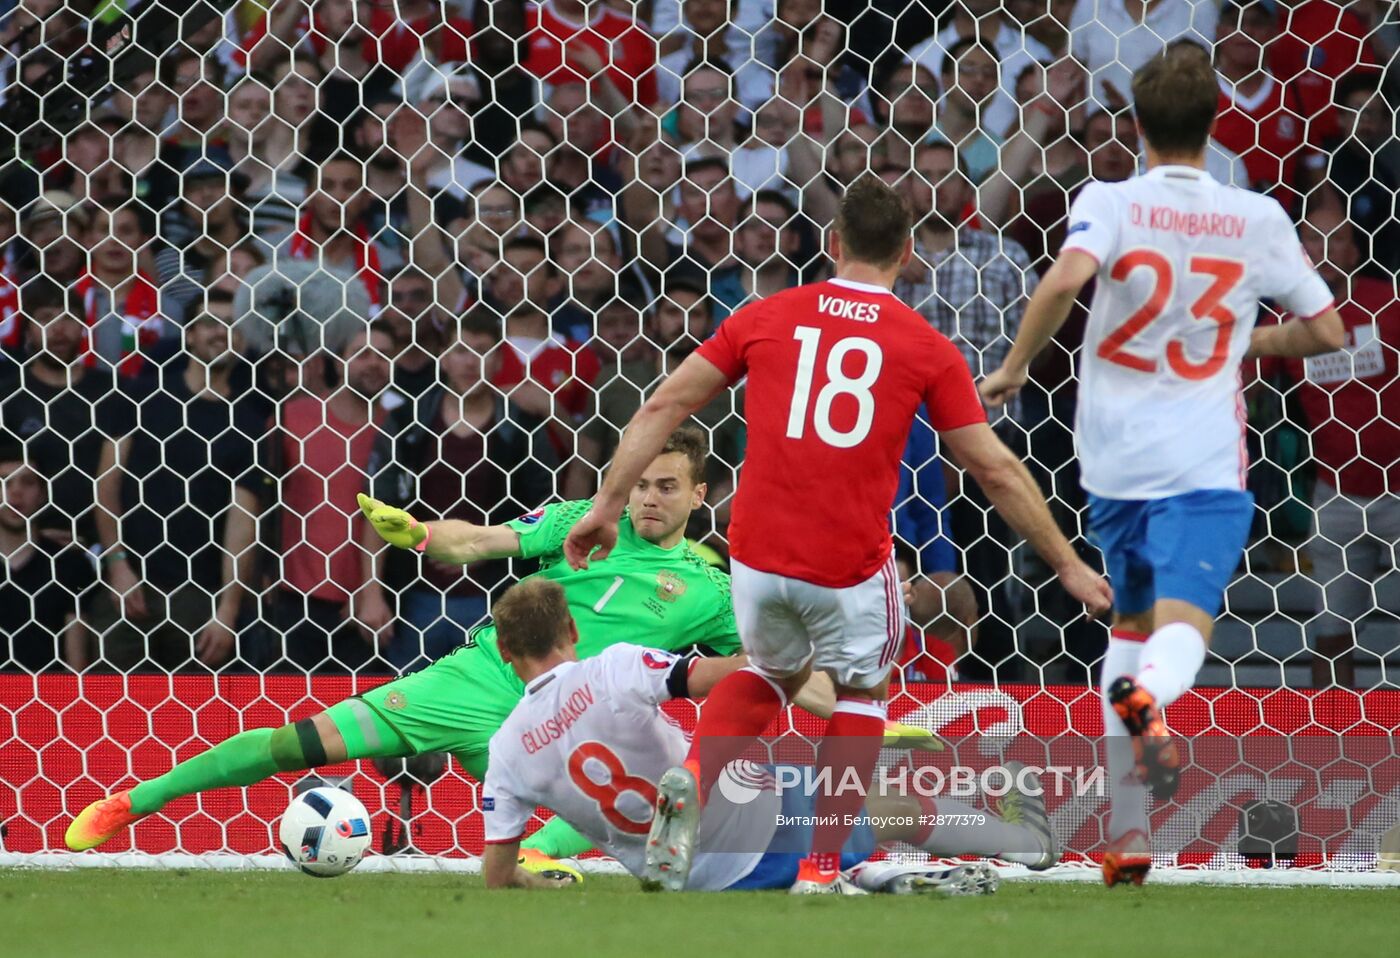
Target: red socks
850 749
736 712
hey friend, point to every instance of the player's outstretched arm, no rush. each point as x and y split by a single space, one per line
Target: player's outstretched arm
448 540
690 387
1009 486
1045 314
500 869
1299 337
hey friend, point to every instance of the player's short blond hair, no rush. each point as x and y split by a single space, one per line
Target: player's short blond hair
532 618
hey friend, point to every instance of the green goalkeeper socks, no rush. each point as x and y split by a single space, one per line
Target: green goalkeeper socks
557 839
245 758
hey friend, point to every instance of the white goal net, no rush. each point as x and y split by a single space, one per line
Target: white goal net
258 257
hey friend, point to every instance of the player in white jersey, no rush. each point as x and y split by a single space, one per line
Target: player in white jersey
588 741
1181 263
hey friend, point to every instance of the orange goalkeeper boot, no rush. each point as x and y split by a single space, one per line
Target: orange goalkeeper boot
1127 860
1158 762
104 819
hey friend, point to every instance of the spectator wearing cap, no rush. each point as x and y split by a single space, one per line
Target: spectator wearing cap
1351 403
209 221
710 206
332 229
1357 173
69 414
1113 38
767 243
52 235
1319 42
587 258
464 450
707 33
1012 47
327 611
126 318
1259 117
572 41
47 576
444 99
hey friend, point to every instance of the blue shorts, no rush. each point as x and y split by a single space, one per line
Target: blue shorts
778 866
1182 547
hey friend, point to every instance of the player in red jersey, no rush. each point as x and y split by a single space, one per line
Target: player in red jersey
836 371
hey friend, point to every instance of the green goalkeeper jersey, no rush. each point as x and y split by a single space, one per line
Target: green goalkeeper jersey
641 593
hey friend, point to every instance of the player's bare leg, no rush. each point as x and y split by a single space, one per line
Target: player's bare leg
243 759
736 712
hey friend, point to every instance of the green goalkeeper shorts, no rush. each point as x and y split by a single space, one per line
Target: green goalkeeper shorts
454 705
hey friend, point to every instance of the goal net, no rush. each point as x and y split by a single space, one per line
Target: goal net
259 257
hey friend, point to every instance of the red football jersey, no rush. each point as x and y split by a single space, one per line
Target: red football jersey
1318 43
836 371
1352 398
1266 130
629 49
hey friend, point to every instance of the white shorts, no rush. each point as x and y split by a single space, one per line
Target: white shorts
853 632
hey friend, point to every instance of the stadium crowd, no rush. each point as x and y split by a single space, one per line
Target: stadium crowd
443 251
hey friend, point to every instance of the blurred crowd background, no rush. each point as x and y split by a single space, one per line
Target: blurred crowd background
442 251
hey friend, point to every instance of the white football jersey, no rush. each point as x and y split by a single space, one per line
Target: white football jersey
1183 264
589 742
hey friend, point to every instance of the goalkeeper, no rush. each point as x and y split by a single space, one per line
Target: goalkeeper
653 590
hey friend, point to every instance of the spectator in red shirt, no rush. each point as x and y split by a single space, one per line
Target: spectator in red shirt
1259 117
1320 42
121 299
372 33
332 228
328 609
556 30
1351 400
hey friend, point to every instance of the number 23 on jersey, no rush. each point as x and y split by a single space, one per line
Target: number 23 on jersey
858 387
1223 275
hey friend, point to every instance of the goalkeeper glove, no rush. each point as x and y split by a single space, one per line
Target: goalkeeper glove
395 526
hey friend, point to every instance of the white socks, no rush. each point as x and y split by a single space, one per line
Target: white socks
1127 796
1170 660
965 830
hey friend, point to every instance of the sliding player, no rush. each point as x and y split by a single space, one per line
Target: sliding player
589 741
1181 263
654 589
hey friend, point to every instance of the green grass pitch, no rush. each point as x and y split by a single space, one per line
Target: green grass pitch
193 913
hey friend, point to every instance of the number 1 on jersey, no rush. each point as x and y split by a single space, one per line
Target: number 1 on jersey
838 384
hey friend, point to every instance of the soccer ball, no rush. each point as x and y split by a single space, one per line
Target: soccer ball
325 832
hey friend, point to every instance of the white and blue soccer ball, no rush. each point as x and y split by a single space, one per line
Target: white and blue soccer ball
325 831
